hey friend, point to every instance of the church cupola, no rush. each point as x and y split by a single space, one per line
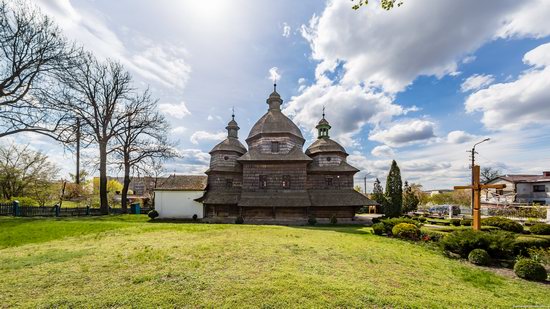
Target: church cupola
323 127
274 101
232 127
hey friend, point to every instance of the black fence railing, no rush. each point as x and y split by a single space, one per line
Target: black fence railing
13 209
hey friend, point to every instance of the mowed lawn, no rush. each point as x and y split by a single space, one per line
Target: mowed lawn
126 261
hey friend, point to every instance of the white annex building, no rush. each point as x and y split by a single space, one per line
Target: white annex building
175 198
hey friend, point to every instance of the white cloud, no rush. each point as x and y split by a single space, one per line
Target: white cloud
154 61
286 30
476 82
518 103
394 57
459 137
382 151
405 133
530 20
274 74
469 59
348 109
199 136
178 110
179 130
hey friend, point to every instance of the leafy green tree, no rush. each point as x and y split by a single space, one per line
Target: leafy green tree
394 192
22 169
410 198
385 4
378 193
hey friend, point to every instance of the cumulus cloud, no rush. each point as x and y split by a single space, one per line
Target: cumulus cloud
162 63
393 58
382 151
286 30
476 82
274 74
459 137
405 133
348 109
518 103
203 135
530 20
178 110
469 59
179 130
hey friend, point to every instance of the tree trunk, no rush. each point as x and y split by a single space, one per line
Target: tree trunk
125 187
103 198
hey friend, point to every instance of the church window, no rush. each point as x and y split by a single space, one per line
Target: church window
539 188
263 181
286 181
328 181
226 158
274 146
229 182
329 158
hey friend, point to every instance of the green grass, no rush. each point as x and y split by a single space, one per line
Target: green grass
126 261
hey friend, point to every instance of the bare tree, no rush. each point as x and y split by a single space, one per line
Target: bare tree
489 173
32 53
143 139
97 92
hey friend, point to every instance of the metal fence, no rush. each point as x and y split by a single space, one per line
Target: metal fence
14 209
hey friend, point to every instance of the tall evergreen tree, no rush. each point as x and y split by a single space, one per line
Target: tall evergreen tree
410 200
394 192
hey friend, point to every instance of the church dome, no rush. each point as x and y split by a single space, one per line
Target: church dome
324 145
230 144
274 121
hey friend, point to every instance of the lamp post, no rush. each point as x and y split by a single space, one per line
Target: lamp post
473 151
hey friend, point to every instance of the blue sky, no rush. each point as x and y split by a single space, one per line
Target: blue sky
419 84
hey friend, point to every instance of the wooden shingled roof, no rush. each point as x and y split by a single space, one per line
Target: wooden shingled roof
183 183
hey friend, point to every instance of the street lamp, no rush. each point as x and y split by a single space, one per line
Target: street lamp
473 151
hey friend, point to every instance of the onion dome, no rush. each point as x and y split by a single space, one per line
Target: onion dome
231 143
323 143
274 121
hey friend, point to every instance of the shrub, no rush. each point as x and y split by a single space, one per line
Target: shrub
479 257
333 220
153 214
239 220
25 201
377 219
540 229
311 220
455 222
378 228
391 222
466 222
195 217
406 231
503 223
524 243
427 235
530 270
498 244
422 219
541 255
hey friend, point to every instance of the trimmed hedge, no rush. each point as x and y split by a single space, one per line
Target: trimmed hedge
428 235
455 222
499 244
153 214
523 243
503 223
466 222
540 229
390 223
406 231
479 257
530 270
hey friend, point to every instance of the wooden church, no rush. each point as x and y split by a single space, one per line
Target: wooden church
274 180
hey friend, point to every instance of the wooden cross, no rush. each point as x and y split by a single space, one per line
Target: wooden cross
477 187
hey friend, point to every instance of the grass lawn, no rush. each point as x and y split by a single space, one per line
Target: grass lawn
125 261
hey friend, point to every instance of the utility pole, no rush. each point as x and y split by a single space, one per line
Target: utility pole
473 151
77 177
365 183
